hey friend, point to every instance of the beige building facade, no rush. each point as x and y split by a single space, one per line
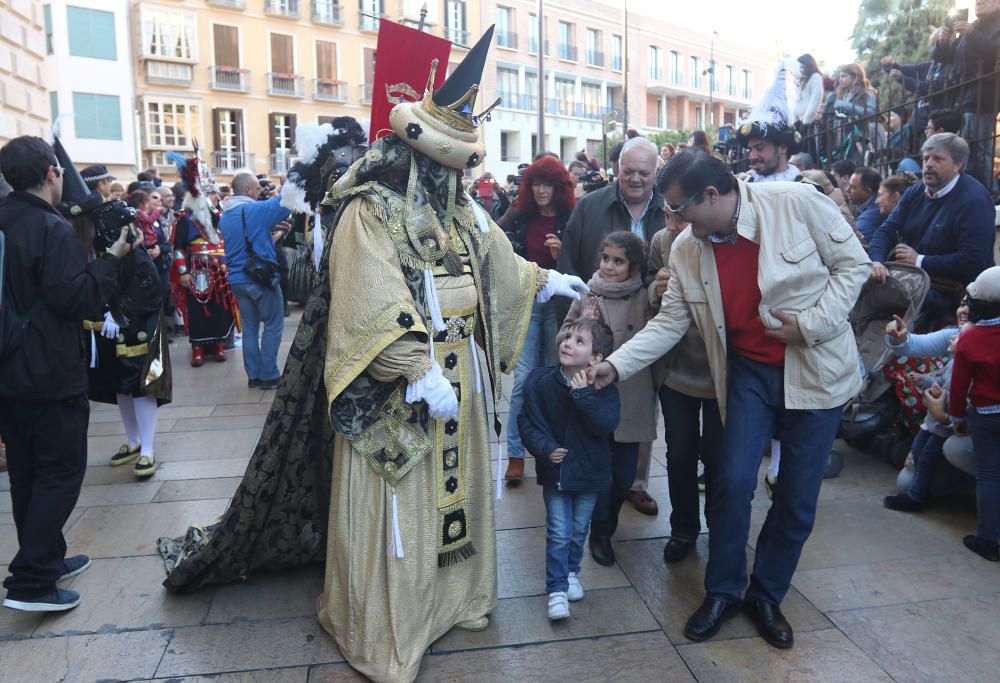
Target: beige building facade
24 104
584 44
239 75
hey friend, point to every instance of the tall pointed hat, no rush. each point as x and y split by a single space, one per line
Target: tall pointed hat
77 198
770 119
444 125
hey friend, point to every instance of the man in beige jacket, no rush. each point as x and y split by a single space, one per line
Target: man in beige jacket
768 273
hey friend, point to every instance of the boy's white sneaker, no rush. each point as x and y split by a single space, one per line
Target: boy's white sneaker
558 606
575 591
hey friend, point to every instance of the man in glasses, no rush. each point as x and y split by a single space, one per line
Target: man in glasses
49 289
768 273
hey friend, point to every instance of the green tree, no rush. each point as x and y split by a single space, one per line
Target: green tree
897 28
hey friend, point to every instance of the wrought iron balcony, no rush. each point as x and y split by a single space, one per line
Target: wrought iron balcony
595 58
457 36
227 161
232 4
567 52
366 93
507 39
327 12
229 78
289 85
282 8
369 22
279 162
329 89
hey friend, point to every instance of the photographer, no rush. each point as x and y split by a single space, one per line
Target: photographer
44 410
250 229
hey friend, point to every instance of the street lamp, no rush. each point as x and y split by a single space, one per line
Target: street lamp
711 80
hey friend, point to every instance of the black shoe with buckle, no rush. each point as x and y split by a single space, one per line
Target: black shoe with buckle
707 619
770 622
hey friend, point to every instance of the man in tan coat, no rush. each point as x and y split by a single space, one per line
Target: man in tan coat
768 273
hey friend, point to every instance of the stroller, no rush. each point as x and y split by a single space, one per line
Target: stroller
874 414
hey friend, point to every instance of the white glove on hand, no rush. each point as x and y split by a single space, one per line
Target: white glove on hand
110 329
436 391
562 285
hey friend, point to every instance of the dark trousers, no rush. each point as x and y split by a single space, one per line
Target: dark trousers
755 411
46 459
693 429
624 458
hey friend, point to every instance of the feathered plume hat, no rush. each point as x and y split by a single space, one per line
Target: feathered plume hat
769 119
443 125
195 175
325 152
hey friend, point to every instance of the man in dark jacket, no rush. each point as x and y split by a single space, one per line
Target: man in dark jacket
43 380
944 225
629 203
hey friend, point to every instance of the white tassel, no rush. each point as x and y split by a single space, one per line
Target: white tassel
499 471
317 242
396 541
93 349
475 363
433 306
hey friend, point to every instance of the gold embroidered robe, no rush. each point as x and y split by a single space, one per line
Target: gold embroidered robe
383 611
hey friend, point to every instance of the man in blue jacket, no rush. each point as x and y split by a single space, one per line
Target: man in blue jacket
259 304
943 224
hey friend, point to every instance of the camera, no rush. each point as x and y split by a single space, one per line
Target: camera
591 180
109 219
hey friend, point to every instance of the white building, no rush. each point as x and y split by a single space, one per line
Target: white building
88 71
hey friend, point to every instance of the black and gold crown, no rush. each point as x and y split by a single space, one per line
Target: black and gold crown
442 125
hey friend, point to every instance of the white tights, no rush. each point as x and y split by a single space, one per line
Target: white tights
139 418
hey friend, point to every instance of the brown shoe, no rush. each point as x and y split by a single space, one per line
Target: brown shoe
515 471
643 502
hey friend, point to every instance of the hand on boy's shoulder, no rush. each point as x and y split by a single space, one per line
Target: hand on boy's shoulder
579 380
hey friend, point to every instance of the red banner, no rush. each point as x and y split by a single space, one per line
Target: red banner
402 63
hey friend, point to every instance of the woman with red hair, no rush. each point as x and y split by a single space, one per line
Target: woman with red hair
534 225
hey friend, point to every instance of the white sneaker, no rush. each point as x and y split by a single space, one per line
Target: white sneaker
575 591
558 606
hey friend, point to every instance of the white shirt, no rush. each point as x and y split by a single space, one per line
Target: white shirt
789 174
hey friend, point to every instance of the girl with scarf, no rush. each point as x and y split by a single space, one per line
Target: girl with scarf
619 299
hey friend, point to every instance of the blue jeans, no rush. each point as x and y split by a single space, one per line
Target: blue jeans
693 428
928 452
261 305
567 518
539 350
755 412
985 430
624 458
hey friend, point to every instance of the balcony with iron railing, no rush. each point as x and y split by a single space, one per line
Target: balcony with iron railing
327 12
366 93
280 161
522 101
567 52
282 8
457 36
533 46
595 58
231 78
369 22
232 4
230 161
329 89
562 107
287 85
589 111
507 39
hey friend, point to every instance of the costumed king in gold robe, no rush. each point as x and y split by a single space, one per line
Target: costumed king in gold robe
387 356
420 278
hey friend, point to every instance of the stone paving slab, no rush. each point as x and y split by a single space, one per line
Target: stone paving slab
247 646
84 659
197 489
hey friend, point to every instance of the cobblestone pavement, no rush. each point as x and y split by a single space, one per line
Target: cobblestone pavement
878 595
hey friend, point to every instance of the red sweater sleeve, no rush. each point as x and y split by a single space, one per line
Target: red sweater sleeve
961 379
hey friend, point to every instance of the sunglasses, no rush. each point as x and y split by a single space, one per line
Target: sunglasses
687 202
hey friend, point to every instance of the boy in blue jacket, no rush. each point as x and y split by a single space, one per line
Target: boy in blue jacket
568 425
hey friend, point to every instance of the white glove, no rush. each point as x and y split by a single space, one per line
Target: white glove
110 329
436 391
562 285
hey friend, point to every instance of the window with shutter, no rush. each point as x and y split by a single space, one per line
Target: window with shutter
326 59
97 117
91 33
227 46
282 59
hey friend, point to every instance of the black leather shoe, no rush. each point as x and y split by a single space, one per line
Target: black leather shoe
600 547
770 622
676 550
707 619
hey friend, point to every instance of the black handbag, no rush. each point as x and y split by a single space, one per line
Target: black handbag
263 271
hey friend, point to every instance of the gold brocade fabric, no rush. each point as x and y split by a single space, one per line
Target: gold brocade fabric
383 611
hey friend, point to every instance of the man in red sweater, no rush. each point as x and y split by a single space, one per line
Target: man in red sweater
975 380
